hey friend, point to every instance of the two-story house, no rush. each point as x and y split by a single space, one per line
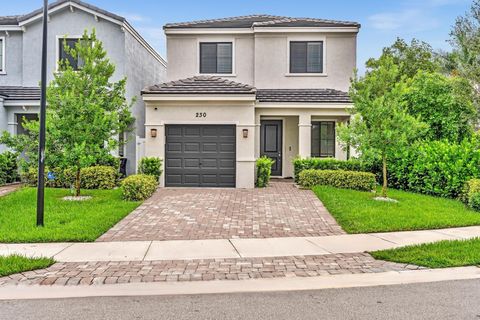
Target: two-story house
20 62
243 87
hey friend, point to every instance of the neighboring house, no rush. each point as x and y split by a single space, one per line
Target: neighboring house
20 62
249 86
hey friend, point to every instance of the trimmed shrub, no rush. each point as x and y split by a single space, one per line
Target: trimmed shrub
138 187
471 194
364 181
300 164
439 168
8 167
151 166
474 201
100 177
264 170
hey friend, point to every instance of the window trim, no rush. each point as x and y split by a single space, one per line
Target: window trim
319 145
322 39
57 47
220 40
4 55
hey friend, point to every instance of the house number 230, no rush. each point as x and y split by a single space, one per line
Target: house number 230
200 114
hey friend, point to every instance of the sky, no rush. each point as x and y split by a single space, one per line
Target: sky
382 20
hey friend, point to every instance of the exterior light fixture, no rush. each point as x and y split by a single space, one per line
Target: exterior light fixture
245 133
153 133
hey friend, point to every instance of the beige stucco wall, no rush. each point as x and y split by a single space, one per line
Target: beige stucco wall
241 114
262 59
183 52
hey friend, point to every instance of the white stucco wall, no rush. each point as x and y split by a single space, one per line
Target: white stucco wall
13 59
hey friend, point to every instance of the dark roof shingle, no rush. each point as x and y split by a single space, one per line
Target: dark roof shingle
303 95
260 20
20 93
15 20
201 85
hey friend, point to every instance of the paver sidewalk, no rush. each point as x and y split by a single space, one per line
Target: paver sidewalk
234 248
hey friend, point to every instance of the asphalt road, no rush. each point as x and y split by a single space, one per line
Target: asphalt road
441 300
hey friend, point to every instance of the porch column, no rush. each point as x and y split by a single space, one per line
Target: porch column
304 135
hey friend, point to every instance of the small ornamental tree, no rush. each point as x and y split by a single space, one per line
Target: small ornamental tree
85 112
380 123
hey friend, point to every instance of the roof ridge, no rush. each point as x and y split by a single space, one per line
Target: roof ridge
288 19
176 24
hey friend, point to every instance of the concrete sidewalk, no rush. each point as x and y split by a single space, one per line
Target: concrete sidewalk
233 248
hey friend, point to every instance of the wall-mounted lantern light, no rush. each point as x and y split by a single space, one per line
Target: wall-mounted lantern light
153 133
245 133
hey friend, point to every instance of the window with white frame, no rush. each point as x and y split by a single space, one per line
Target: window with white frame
216 57
306 57
64 55
2 54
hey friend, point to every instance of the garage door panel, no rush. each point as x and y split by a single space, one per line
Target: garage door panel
207 156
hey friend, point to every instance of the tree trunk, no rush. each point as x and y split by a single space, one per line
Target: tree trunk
385 181
77 183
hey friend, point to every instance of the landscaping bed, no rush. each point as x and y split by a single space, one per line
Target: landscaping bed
14 264
443 254
357 212
64 220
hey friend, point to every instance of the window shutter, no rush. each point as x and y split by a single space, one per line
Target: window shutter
208 58
298 57
224 58
315 57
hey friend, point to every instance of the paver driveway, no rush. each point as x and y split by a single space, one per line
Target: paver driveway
281 210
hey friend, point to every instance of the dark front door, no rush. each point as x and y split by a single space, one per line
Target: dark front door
271 143
200 155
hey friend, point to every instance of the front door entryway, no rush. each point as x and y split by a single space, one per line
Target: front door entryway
271 143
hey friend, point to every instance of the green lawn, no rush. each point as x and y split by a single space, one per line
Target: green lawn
357 212
64 220
15 264
443 254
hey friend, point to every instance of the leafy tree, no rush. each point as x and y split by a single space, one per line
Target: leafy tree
444 103
381 123
85 112
465 39
409 58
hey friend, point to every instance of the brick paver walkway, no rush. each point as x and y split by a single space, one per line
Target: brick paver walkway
97 273
281 210
4 190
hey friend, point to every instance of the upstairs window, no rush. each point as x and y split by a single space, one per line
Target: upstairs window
21 118
323 139
216 57
75 62
306 57
2 55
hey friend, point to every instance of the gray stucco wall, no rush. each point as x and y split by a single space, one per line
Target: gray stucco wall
141 69
13 59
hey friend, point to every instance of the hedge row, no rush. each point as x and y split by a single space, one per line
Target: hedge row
300 164
138 187
364 181
8 168
98 177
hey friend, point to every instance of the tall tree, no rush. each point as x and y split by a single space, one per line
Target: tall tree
86 111
381 124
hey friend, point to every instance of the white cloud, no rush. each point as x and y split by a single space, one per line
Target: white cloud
134 17
410 20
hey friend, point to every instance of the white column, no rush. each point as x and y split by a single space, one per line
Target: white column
257 134
304 135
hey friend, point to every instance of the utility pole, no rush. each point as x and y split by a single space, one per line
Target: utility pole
43 107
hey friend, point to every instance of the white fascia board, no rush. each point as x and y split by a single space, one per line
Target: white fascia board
11 28
209 31
304 105
21 103
71 4
305 29
197 97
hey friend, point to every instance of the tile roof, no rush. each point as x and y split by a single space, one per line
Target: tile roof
260 20
303 95
20 93
15 20
201 85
